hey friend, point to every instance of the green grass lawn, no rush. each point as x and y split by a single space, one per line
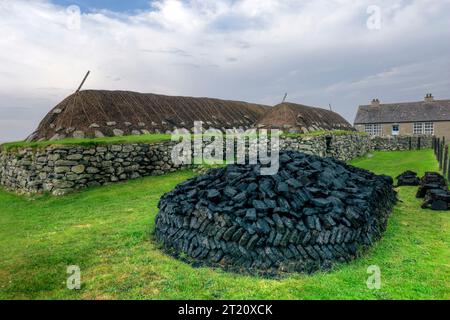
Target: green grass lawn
106 231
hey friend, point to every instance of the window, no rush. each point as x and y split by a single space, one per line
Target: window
418 128
423 128
395 130
429 128
373 129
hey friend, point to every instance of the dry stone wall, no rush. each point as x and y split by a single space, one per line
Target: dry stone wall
342 147
65 168
401 143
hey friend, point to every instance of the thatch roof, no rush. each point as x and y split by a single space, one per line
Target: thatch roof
422 111
93 113
302 119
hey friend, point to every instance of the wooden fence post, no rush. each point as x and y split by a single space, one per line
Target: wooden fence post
442 148
435 145
448 171
445 165
438 147
419 142
432 143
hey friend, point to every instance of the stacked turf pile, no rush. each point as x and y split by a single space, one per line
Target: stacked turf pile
313 213
433 188
408 178
431 181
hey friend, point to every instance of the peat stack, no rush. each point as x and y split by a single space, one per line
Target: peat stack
408 178
437 199
433 188
313 213
431 181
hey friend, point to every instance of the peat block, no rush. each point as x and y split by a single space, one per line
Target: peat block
313 213
437 199
434 189
431 181
408 178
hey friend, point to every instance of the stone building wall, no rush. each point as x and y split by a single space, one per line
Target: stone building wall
406 129
401 143
66 168
342 147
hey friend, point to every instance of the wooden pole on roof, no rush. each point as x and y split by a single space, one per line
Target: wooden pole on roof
82 82
284 99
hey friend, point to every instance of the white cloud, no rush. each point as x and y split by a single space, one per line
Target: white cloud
318 51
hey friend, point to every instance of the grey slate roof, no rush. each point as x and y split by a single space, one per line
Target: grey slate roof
438 110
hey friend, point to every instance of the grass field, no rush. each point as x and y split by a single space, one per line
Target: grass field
106 231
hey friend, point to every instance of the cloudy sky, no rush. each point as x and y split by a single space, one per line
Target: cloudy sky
319 51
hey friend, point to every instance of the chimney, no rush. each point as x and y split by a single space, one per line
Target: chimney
375 103
429 97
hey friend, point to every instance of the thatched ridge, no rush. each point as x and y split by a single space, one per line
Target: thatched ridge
298 118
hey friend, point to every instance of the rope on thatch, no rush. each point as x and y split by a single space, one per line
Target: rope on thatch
82 107
95 98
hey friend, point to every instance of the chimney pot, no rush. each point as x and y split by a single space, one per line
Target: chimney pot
429 97
375 102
